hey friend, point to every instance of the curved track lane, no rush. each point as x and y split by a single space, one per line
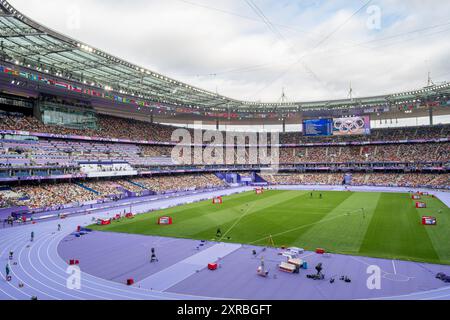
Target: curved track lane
43 272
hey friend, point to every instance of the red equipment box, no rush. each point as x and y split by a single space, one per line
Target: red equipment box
429 221
320 251
421 205
212 266
165 221
103 222
217 200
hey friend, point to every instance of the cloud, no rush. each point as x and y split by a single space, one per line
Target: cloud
224 45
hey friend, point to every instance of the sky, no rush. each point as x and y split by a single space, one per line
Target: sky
254 49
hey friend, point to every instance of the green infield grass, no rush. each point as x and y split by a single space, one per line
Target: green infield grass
384 225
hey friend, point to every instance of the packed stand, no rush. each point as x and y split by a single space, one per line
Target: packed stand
135 130
423 152
52 195
388 134
108 127
163 184
412 180
104 188
304 179
65 153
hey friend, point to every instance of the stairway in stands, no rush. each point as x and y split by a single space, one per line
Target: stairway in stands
137 184
87 188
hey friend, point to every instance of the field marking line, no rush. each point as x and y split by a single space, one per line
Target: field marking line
306 225
393 265
367 264
385 273
301 227
249 208
238 220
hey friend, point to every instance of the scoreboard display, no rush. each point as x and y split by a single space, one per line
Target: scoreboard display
351 126
318 127
337 126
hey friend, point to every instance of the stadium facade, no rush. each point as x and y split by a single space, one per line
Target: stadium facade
37 60
69 107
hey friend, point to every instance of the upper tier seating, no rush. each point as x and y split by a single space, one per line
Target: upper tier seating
112 127
71 152
47 152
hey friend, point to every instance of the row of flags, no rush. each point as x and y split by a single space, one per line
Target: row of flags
164 108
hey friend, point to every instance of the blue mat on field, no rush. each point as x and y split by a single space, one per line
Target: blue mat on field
180 271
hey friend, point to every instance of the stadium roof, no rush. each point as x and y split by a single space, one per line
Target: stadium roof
29 44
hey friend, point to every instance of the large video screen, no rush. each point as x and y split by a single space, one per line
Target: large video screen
318 127
351 126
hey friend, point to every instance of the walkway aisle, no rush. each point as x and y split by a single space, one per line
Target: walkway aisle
182 270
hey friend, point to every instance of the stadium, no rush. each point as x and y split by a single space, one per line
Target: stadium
121 183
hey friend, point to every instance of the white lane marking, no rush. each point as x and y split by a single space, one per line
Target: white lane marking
238 220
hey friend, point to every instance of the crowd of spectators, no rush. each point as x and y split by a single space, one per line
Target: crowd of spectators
135 130
104 188
304 179
412 180
111 127
55 195
50 153
66 153
4 202
108 127
51 195
163 184
417 180
441 180
386 134
130 186
423 152
375 179
155 151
